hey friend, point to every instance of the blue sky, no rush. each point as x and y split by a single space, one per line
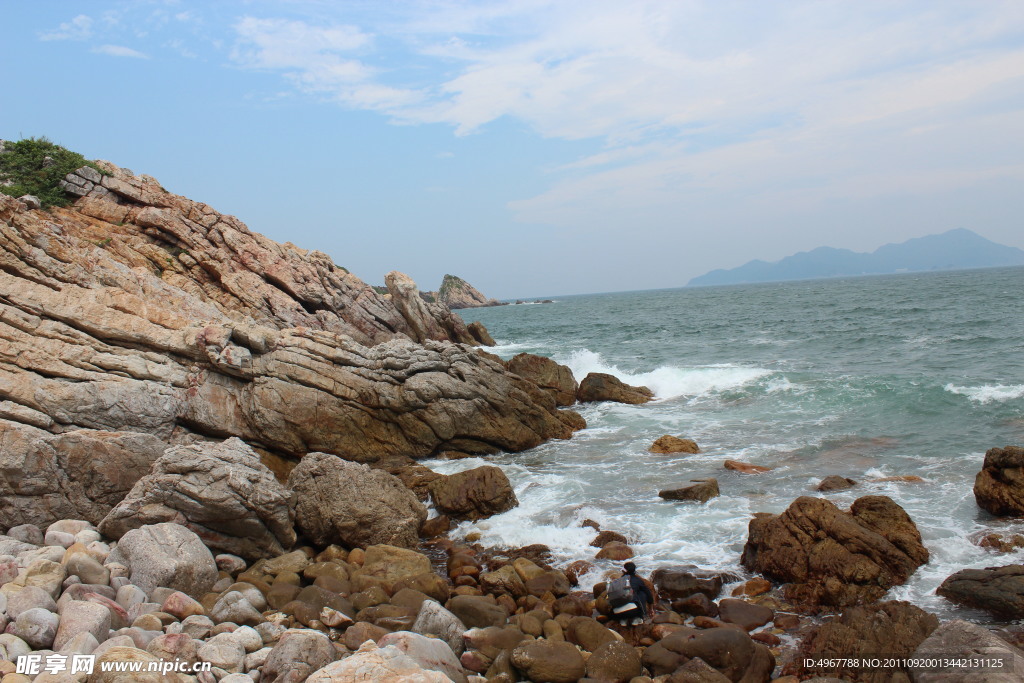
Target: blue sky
544 148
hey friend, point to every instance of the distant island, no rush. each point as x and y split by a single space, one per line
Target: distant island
953 250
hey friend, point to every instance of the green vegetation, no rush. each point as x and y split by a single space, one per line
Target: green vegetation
36 166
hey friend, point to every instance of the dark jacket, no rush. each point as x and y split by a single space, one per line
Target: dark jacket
640 590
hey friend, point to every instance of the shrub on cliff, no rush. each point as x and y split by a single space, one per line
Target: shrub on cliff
36 166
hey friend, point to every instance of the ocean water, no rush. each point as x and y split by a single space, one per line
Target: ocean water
915 374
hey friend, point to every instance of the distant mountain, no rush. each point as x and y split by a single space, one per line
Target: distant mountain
953 250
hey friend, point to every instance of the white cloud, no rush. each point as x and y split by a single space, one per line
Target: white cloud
119 51
78 28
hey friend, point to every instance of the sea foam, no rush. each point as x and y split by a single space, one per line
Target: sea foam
988 393
669 381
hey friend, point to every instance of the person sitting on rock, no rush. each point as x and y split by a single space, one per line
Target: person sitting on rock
630 598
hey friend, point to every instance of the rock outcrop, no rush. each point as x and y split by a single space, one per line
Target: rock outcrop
999 590
547 374
222 492
828 556
351 504
600 386
999 486
136 319
456 293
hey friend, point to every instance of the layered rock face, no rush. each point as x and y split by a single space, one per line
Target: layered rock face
138 319
828 556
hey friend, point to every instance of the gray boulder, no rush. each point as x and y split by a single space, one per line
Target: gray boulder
296 655
962 639
166 555
435 620
222 492
78 617
36 626
351 504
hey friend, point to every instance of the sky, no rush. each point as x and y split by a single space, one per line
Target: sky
542 148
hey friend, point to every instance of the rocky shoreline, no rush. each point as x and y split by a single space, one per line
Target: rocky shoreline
208 446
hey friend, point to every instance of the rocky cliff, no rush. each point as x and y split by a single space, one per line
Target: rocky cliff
456 293
135 319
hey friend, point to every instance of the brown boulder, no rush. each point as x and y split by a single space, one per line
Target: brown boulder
999 486
684 581
746 467
474 494
614 662
349 503
598 386
550 661
548 375
729 651
701 491
614 551
887 628
477 611
480 334
999 590
588 633
673 444
743 613
605 537
834 482
827 556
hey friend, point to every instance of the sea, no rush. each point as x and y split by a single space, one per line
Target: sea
870 377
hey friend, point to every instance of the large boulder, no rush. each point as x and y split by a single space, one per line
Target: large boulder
350 504
429 653
828 556
999 590
888 628
81 474
547 374
473 494
729 651
390 564
221 491
614 661
297 654
599 386
999 486
961 639
167 555
547 660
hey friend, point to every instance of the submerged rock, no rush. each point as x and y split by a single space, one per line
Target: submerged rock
827 556
702 491
834 482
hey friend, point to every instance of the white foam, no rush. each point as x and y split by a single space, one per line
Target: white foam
669 381
988 393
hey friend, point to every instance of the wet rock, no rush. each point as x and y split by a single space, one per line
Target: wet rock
477 611
729 651
543 660
607 536
743 613
474 494
889 628
167 555
599 386
753 587
702 491
548 375
834 482
697 604
615 662
684 581
588 633
999 486
221 491
746 467
827 556
615 551
348 503
673 444
998 590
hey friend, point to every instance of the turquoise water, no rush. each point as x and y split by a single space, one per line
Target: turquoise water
914 374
